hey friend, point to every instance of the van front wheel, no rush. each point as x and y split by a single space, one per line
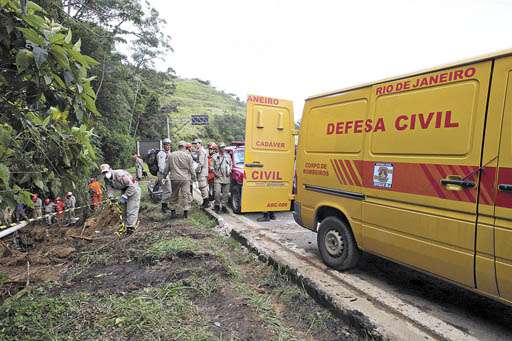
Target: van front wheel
337 244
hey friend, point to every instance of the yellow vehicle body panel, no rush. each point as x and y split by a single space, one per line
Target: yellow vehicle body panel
269 155
414 164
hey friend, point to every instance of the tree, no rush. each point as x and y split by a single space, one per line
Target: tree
45 101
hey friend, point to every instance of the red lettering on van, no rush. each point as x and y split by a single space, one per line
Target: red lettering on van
379 126
398 124
448 120
330 128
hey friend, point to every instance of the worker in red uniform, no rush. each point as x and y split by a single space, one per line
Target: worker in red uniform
59 208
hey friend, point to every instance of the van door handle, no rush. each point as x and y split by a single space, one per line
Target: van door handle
505 187
457 182
254 164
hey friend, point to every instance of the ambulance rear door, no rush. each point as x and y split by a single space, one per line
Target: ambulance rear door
269 155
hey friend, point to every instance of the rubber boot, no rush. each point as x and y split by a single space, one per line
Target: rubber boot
216 208
264 218
206 203
129 231
185 214
173 214
224 209
164 208
272 216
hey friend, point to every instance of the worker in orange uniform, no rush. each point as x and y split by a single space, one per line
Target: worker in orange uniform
96 193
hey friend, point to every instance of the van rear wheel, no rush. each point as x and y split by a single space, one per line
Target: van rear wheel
337 244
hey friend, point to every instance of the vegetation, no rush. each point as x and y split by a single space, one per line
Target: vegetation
185 283
78 88
46 100
195 96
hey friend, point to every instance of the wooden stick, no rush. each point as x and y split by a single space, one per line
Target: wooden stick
82 237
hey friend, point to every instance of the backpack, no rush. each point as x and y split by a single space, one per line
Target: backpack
152 160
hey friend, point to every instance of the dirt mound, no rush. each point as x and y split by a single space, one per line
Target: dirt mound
39 253
108 219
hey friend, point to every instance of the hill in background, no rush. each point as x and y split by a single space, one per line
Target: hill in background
193 97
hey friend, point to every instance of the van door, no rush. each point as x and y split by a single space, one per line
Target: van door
269 155
503 206
421 169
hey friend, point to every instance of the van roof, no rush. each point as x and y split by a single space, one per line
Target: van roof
473 60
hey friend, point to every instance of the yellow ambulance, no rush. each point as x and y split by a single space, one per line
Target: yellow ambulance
416 169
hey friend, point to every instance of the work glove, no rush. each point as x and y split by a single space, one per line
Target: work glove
123 200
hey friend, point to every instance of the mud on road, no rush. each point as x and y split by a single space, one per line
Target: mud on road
170 280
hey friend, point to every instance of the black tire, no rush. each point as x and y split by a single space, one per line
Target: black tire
337 244
236 198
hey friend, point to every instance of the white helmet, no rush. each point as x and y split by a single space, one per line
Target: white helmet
104 168
166 141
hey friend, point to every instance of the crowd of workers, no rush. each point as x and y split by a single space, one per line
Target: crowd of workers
177 171
61 211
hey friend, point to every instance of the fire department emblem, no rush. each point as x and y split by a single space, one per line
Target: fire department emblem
383 175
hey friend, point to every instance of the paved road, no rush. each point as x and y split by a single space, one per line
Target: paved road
480 317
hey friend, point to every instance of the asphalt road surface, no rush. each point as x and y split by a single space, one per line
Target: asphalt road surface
481 317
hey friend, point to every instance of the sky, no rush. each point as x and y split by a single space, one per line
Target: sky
295 49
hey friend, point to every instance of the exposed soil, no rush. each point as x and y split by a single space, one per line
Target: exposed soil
39 253
232 295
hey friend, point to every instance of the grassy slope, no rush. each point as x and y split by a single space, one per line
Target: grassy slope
194 97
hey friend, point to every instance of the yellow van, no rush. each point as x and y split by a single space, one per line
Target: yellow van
416 169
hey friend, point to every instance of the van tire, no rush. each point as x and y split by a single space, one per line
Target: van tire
337 244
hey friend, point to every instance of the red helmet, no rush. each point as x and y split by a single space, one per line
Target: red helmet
34 197
46 201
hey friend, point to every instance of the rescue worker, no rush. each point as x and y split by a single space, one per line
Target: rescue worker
179 166
20 212
7 213
212 149
121 180
59 208
49 209
163 181
267 216
222 166
139 167
70 203
37 211
194 164
96 193
202 171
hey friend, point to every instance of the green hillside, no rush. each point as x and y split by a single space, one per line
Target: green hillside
192 96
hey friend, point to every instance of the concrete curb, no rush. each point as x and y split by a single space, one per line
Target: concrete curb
368 311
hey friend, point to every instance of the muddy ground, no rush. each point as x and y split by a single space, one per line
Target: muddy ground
175 279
